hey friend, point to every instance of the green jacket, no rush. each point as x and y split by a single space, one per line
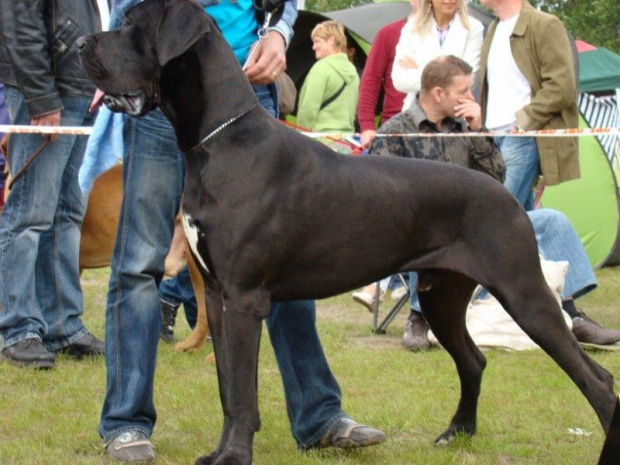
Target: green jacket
540 47
323 81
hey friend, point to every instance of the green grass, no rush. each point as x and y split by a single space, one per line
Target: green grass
526 407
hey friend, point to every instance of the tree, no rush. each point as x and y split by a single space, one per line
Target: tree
320 6
595 21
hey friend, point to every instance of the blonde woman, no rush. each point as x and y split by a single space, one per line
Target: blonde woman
328 96
438 27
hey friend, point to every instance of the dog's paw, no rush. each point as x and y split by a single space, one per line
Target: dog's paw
222 459
206 460
453 433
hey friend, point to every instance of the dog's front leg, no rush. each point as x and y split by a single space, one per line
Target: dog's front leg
236 354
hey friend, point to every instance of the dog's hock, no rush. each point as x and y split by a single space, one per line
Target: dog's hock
170 41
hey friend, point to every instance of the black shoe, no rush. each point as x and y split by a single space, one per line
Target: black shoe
416 332
587 330
29 353
87 345
168 317
346 433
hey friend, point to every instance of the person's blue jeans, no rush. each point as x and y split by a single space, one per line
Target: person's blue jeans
558 241
153 184
178 290
522 167
413 292
40 288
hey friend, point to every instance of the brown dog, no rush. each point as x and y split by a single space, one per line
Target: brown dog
99 235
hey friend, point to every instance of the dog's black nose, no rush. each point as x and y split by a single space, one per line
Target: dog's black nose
81 41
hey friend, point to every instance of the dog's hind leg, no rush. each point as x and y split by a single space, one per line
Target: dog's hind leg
238 334
444 305
529 301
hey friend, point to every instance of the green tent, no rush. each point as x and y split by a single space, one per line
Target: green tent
599 71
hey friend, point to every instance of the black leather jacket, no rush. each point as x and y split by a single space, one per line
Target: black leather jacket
38 52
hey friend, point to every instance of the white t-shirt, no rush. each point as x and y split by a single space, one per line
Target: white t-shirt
508 91
104 12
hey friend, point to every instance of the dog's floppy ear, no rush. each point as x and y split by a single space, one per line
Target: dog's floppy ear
182 23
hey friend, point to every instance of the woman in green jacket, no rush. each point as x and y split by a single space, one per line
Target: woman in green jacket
328 97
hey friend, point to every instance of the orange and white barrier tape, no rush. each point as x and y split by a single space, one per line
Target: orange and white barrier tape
571 132
19 129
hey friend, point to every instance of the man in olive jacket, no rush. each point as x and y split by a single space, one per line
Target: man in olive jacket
40 294
528 81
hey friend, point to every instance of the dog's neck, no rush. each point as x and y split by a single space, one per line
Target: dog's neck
204 88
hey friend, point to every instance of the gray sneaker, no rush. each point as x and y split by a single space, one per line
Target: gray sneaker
346 433
415 337
131 446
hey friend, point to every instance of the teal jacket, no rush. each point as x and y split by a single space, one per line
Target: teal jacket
323 81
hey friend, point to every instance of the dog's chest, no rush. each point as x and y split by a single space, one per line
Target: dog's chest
196 240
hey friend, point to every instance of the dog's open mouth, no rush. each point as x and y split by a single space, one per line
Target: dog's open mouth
132 103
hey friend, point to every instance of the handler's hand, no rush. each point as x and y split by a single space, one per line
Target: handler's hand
268 61
470 110
97 100
367 137
53 119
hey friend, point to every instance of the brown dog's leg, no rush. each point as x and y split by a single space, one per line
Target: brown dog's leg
178 254
196 340
444 306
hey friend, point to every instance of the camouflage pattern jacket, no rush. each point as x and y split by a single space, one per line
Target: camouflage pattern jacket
479 153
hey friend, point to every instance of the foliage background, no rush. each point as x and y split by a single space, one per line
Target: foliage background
595 21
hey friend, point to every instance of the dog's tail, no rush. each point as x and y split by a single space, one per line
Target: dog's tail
611 449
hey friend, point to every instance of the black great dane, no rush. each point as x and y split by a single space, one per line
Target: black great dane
278 216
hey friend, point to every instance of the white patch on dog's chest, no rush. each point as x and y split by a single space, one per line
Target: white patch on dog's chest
193 234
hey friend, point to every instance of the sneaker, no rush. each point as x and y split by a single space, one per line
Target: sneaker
346 433
587 330
398 293
416 332
29 353
131 446
367 299
168 318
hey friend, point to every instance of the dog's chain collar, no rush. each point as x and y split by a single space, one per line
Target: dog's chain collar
220 128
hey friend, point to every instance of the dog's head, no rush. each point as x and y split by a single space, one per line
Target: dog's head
126 63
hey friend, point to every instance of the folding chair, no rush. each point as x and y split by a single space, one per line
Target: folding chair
380 329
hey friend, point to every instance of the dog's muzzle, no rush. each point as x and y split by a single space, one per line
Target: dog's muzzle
133 103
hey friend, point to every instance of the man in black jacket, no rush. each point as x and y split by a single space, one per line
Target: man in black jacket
40 289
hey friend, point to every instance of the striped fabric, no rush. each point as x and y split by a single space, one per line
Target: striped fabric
603 112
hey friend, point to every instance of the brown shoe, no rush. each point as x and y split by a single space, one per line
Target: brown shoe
587 330
29 353
416 332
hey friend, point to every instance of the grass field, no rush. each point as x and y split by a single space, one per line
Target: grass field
526 409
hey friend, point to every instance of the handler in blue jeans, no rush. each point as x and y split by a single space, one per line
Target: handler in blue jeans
41 300
153 181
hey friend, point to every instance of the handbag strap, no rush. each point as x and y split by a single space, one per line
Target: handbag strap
333 97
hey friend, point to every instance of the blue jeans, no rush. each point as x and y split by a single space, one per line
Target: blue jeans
40 288
152 181
178 290
413 292
558 241
522 167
